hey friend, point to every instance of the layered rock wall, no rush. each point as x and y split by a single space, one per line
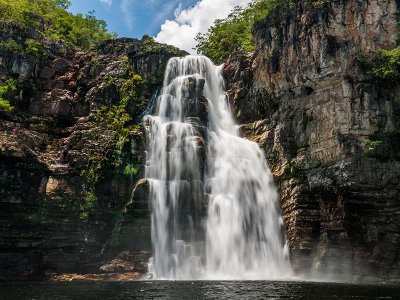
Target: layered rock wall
69 156
307 100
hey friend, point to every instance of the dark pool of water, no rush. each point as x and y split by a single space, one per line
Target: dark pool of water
197 290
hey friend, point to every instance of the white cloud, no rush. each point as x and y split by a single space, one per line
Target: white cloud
106 2
181 31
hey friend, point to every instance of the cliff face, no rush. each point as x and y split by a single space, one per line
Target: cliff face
70 152
73 148
307 100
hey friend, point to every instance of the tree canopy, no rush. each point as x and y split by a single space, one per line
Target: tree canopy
52 20
234 32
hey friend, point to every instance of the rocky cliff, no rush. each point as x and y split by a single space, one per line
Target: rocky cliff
72 149
70 152
329 130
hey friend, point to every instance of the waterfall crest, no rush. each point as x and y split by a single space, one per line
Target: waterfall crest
215 212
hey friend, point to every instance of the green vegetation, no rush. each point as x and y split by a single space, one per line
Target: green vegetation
234 33
91 176
383 65
117 120
51 19
150 45
387 65
372 147
131 169
114 119
11 46
6 95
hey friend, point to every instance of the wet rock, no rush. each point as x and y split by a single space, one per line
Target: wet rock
312 108
197 108
196 87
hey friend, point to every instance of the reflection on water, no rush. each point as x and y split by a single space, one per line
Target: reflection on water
196 290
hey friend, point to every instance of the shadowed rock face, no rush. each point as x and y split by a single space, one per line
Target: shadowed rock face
53 137
306 100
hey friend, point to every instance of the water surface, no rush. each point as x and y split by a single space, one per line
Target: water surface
196 290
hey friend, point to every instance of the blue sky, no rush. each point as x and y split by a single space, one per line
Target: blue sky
175 22
132 18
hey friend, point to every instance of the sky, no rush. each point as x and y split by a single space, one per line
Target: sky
174 22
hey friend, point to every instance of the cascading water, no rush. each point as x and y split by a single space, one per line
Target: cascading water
215 213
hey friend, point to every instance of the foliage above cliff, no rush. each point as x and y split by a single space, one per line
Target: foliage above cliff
51 19
233 33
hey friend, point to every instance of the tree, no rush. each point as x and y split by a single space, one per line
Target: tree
51 19
234 32
62 3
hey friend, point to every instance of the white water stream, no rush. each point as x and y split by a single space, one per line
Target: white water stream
215 212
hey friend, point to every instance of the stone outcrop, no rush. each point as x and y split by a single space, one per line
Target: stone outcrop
304 96
69 159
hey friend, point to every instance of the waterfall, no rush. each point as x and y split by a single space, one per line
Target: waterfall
215 211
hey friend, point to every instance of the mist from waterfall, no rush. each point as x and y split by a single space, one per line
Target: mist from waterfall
215 211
